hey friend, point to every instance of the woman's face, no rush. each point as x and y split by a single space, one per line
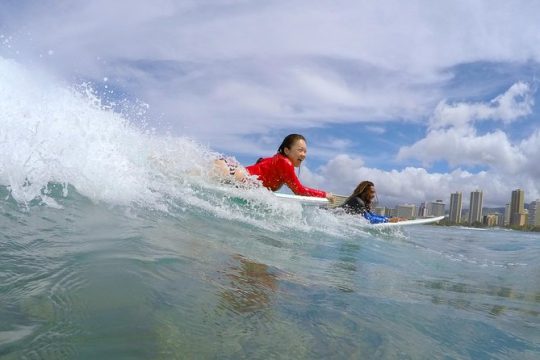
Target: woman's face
297 152
370 193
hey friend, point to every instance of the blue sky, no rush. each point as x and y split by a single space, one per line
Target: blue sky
424 98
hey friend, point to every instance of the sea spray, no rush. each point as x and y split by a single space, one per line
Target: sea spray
53 133
63 137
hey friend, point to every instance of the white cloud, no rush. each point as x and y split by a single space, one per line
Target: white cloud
253 98
453 137
330 89
530 148
379 130
460 147
516 102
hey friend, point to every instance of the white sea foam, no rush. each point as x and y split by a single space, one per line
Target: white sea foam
54 133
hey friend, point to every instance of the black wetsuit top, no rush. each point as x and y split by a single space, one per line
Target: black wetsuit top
355 205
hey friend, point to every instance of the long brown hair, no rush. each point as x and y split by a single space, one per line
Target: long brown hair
361 192
289 141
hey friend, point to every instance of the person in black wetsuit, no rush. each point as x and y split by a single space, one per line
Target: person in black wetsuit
360 203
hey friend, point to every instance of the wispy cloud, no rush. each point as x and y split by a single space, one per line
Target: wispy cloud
273 63
379 130
515 103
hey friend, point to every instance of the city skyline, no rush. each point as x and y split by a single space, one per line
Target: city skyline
516 212
465 205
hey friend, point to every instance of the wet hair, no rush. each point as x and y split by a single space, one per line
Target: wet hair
289 141
361 192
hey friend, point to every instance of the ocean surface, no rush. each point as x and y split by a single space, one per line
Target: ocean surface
116 244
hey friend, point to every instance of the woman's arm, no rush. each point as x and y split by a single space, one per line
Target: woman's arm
295 185
374 218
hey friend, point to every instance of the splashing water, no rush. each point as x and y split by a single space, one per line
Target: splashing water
55 134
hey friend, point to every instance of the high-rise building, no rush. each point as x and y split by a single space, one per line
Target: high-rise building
406 211
506 215
491 219
436 208
534 213
455 208
423 210
517 208
501 220
475 207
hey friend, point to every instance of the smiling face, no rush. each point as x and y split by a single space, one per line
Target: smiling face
297 152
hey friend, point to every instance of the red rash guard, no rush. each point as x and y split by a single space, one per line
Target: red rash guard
278 170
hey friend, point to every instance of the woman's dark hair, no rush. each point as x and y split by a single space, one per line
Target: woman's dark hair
289 141
361 191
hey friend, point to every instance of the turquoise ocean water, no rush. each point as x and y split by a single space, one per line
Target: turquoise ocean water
113 245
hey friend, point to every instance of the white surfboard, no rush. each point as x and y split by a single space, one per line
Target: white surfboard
411 222
311 200
304 200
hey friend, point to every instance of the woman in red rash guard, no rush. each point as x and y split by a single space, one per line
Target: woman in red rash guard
277 170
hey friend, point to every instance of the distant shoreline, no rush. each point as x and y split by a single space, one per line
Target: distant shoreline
526 228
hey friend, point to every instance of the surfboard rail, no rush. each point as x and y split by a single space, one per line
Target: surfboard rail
304 200
311 200
421 221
